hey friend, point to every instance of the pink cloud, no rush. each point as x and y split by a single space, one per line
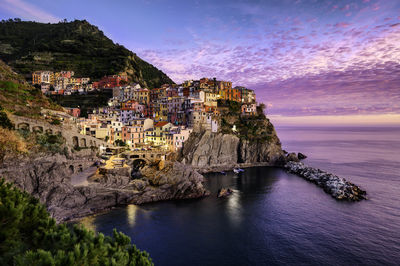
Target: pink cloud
27 11
342 25
345 8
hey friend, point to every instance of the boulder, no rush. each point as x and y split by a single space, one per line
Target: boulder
292 157
224 192
301 156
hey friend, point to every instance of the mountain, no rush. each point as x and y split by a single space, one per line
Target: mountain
79 46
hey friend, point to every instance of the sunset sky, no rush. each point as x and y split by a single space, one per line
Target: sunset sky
321 58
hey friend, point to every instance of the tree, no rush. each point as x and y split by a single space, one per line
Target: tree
119 142
260 109
29 236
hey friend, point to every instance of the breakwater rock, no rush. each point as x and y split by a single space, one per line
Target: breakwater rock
336 186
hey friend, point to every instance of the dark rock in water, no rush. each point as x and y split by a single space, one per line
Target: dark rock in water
301 156
336 186
224 192
292 157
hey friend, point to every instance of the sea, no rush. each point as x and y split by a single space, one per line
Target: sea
276 218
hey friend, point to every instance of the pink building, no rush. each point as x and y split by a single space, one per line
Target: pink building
133 135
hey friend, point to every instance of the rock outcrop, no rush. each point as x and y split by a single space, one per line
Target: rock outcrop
301 156
48 178
224 192
212 152
336 186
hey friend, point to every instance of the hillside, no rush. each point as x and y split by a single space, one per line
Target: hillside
18 97
78 46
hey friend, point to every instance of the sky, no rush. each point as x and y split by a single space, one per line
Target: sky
308 60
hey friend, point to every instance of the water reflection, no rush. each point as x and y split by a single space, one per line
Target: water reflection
234 208
89 223
131 212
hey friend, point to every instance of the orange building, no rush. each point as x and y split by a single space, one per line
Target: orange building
36 77
232 94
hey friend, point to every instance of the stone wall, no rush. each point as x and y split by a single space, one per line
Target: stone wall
70 133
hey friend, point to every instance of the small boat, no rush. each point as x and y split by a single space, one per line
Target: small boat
238 170
222 173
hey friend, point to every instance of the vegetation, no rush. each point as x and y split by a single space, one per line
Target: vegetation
76 45
55 122
255 128
120 143
42 142
29 236
11 144
5 122
50 142
17 97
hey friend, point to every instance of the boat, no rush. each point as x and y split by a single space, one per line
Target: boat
222 173
238 170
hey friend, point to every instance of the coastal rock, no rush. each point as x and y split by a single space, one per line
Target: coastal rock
48 177
175 181
115 177
301 156
208 149
224 192
292 157
215 152
336 186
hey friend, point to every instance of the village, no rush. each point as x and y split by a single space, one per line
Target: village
145 119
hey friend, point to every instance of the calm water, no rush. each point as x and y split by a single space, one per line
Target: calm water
277 218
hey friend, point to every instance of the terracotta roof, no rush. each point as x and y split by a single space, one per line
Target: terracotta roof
161 124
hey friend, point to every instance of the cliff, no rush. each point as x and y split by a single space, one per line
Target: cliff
77 45
210 152
48 178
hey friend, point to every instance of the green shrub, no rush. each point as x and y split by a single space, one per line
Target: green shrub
9 86
55 122
5 122
50 142
119 142
29 236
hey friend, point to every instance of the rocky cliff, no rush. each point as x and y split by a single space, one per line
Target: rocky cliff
48 177
208 152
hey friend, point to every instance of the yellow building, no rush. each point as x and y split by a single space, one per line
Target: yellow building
142 96
163 113
39 77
